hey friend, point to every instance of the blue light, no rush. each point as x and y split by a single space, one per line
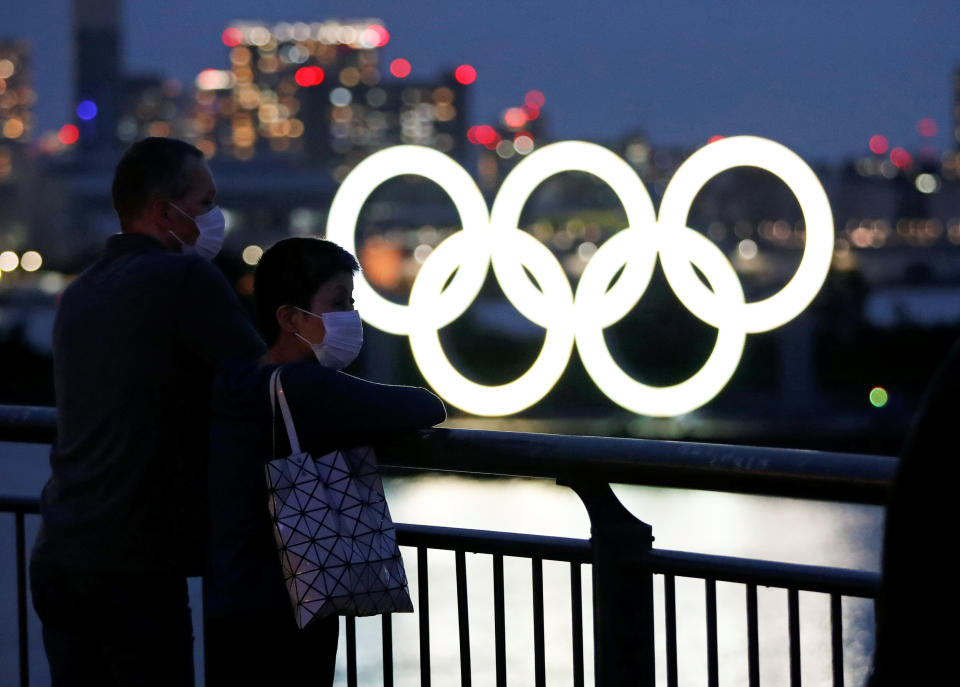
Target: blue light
87 110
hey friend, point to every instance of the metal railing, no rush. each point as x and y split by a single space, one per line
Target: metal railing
621 559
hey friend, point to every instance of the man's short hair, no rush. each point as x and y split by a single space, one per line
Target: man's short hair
151 168
290 273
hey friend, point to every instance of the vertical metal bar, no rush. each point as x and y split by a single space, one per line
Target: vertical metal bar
670 615
793 600
713 663
464 619
576 603
753 637
387 632
499 621
836 637
624 653
22 600
539 654
423 598
351 623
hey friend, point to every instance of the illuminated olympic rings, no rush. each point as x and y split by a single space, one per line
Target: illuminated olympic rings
495 239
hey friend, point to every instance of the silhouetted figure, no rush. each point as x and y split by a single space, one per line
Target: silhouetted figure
917 609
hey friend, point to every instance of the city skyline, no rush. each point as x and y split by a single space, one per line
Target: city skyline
822 80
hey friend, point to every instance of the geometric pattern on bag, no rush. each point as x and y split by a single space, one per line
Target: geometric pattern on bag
336 540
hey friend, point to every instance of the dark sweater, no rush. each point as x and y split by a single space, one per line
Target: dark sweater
135 342
330 410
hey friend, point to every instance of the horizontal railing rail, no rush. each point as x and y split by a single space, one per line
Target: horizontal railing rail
619 553
851 478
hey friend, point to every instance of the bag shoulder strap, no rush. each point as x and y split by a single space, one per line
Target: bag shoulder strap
276 393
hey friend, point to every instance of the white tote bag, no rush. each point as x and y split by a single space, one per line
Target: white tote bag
337 543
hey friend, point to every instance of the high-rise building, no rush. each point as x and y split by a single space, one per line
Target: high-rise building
16 105
98 69
316 92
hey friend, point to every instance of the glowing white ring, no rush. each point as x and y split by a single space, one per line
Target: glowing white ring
496 239
692 175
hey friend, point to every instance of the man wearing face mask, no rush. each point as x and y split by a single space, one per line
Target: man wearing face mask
304 295
135 342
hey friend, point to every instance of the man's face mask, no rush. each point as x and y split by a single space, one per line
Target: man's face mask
342 341
211 226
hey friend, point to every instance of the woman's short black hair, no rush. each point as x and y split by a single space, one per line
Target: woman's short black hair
290 273
151 168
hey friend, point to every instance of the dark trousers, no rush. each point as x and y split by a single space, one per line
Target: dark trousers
267 648
120 629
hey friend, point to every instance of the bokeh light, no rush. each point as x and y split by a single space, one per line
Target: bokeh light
465 74
878 397
376 36
232 37
515 117
31 261
400 68
534 99
87 110
309 76
927 127
901 158
8 261
252 254
879 144
715 138
68 134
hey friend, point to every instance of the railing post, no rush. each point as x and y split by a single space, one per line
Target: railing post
622 589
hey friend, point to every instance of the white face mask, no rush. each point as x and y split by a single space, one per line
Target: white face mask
212 226
342 340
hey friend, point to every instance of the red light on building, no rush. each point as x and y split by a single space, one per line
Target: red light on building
515 117
465 74
379 35
232 37
309 76
901 158
400 68
68 134
534 100
715 138
486 135
927 127
879 144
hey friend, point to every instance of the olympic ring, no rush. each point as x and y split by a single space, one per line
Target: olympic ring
495 240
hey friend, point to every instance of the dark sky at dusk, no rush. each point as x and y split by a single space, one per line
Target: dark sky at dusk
818 76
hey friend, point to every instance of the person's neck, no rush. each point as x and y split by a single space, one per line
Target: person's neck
286 350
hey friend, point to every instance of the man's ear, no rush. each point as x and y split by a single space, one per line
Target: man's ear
285 315
158 211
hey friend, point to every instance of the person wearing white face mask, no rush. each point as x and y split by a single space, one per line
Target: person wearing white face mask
303 290
135 341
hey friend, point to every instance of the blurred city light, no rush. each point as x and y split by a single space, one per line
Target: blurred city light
8 261
901 158
68 134
215 79
927 183
400 68
252 254
309 76
879 144
232 37
927 127
31 261
87 110
465 74
878 397
534 99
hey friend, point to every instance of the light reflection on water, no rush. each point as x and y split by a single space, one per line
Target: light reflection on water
776 529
